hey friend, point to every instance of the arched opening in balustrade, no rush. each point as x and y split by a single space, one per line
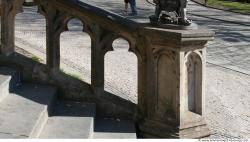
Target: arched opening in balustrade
121 71
75 51
30 33
29 3
194 82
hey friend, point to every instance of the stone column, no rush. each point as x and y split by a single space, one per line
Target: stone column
56 23
52 44
175 98
101 42
97 62
9 9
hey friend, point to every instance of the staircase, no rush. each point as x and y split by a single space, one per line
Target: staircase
33 111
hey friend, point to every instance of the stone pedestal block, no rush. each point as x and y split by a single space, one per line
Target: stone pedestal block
175 99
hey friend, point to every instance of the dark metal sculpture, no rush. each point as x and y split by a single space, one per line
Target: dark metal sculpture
170 12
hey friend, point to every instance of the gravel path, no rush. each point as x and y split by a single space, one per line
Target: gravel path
227 103
228 68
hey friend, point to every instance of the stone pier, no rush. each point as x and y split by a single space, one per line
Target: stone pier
175 100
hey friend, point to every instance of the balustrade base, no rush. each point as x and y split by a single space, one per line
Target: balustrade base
155 129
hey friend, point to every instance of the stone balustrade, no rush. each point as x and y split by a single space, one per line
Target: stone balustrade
171 63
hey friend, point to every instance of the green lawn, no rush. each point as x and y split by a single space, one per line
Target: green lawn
229 5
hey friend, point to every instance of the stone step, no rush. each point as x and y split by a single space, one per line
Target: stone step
24 112
114 129
9 79
70 120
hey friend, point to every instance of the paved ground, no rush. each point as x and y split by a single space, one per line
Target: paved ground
228 68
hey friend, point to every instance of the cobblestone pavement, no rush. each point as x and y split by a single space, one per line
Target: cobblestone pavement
228 68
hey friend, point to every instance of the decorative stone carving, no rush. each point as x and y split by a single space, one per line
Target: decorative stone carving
175 92
166 72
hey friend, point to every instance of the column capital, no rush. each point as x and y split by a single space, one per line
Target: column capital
182 40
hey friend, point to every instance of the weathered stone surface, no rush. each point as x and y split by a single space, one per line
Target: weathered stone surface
171 63
175 101
13 76
4 86
28 108
9 9
24 111
114 129
108 105
70 120
9 79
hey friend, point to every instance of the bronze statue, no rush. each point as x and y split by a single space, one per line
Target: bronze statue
170 12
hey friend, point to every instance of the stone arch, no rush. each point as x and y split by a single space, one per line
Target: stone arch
75 24
29 3
121 70
193 80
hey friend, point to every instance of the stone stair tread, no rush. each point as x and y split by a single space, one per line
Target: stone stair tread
10 75
4 84
21 110
114 129
70 120
9 79
4 78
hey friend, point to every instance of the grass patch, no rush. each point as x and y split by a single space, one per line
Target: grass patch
76 76
229 5
35 58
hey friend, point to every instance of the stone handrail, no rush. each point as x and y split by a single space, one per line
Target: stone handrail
171 63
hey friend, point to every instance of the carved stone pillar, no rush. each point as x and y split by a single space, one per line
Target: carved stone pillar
53 32
97 62
101 42
56 23
9 9
175 99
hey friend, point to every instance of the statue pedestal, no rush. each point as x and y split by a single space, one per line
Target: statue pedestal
174 103
193 26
